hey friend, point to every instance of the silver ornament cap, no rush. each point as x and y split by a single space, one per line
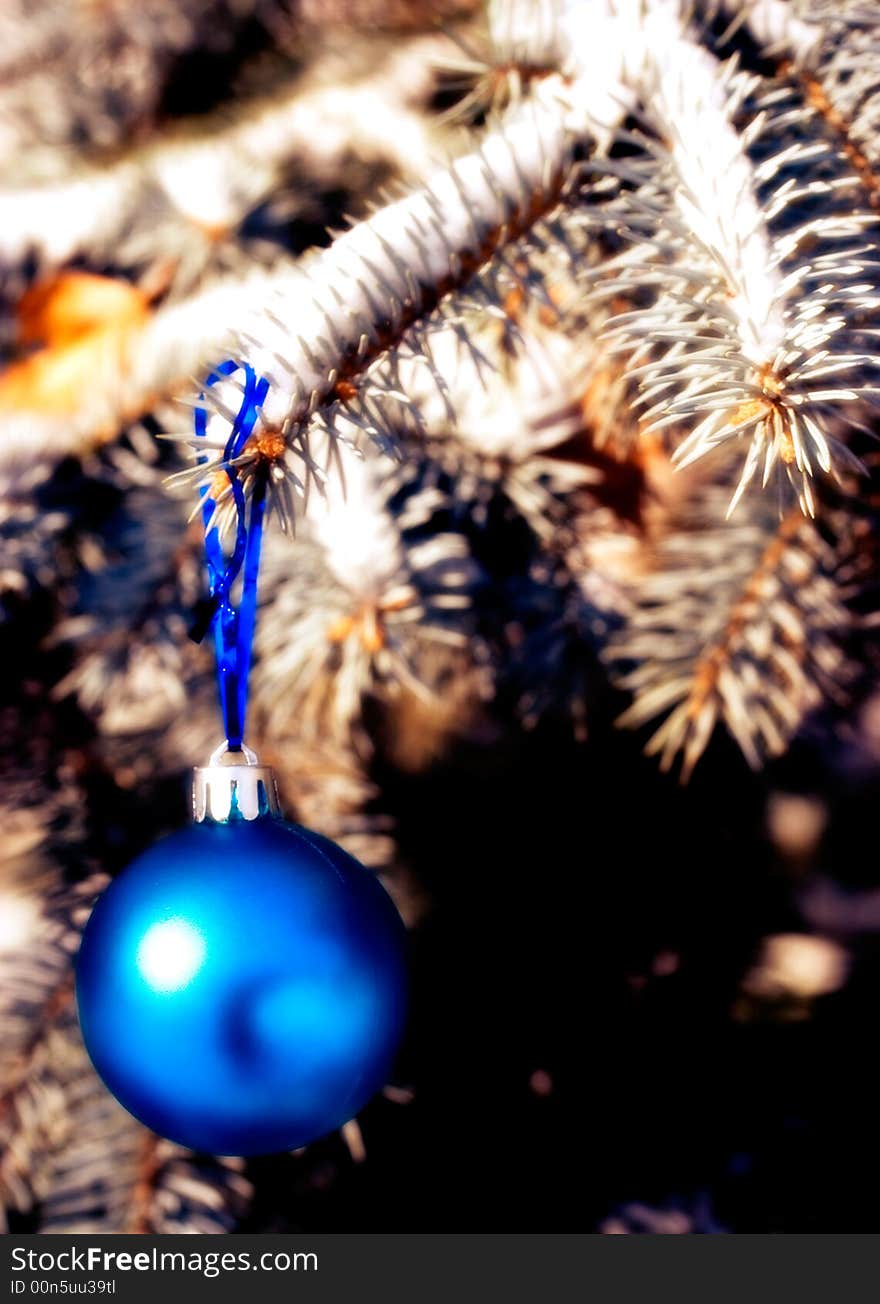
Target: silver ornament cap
233 786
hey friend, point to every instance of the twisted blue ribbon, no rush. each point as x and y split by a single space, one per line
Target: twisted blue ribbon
234 629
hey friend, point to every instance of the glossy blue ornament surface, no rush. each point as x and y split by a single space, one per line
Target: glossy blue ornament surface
241 986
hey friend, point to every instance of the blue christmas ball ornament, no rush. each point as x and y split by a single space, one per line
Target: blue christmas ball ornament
241 986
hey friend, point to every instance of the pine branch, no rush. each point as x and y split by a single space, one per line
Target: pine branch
743 624
729 339
191 187
776 26
389 295
844 85
365 604
71 1157
177 1192
96 76
43 1052
500 407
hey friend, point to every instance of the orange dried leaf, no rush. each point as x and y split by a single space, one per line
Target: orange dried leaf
73 304
54 380
86 325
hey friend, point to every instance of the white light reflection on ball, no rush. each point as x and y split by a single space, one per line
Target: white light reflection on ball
170 954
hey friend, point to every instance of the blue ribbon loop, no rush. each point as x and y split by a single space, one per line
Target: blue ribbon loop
234 629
